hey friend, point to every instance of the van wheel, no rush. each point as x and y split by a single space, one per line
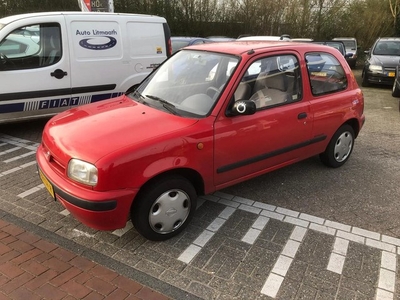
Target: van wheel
339 148
395 89
164 208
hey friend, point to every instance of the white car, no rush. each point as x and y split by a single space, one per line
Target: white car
18 45
265 38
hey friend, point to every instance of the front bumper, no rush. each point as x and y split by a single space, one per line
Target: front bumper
381 78
99 210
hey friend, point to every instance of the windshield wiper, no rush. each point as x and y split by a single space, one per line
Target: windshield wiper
167 105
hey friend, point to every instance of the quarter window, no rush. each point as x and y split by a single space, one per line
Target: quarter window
326 73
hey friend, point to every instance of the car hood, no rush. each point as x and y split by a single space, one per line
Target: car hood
388 61
92 131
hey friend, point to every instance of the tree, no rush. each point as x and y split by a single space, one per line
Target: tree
394 9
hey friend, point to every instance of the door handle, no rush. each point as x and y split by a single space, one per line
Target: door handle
58 73
302 115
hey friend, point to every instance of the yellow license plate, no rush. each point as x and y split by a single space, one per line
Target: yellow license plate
392 74
46 183
320 74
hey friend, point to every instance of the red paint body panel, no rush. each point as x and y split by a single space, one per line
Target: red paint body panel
130 143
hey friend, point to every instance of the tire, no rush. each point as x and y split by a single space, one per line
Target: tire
395 90
339 148
365 82
164 208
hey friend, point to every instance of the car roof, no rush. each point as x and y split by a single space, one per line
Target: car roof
13 18
333 43
389 39
239 47
343 38
302 40
187 38
264 38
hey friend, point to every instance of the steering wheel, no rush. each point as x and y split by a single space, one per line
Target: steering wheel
213 92
5 60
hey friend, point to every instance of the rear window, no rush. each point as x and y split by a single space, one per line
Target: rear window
350 44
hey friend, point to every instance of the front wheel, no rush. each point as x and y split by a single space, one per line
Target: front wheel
395 90
339 148
164 208
365 82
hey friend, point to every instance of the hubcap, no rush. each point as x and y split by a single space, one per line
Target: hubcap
343 146
169 211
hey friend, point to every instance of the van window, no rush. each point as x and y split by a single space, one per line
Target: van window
31 47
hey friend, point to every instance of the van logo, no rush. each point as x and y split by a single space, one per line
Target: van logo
93 43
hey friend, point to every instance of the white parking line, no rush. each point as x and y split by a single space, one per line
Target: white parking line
275 278
191 251
10 171
31 191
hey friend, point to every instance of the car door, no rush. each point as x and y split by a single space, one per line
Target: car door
276 135
34 68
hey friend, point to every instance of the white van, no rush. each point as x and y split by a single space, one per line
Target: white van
53 61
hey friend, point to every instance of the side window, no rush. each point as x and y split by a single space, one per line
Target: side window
31 47
326 73
271 81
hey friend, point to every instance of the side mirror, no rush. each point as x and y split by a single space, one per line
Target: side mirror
243 107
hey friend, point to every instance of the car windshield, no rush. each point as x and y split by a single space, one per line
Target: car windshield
188 84
387 48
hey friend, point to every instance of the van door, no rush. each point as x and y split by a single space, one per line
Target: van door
34 68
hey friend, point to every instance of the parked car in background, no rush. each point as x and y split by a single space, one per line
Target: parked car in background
396 84
264 38
305 40
351 47
381 62
237 111
335 44
219 38
17 46
179 42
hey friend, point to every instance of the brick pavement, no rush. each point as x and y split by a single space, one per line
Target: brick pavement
32 267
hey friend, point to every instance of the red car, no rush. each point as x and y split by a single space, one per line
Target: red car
209 117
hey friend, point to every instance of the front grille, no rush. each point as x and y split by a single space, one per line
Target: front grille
54 163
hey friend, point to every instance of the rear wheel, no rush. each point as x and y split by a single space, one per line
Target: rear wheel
164 208
339 148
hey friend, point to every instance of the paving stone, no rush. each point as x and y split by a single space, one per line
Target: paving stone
201 290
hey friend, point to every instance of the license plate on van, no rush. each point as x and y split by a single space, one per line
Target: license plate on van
47 184
391 74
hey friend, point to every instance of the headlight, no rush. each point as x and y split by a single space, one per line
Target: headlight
82 172
375 68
